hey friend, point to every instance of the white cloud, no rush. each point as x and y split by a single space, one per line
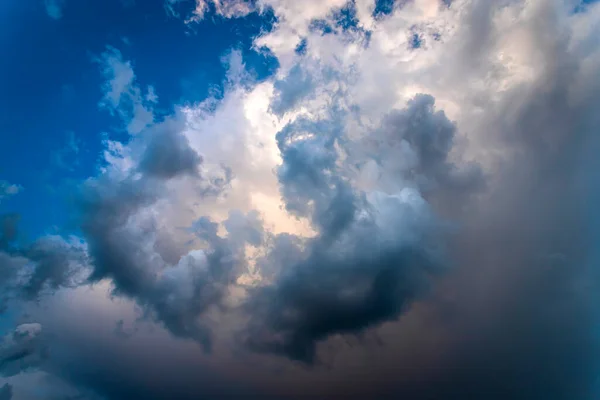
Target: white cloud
222 8
122 95
151 96
8 189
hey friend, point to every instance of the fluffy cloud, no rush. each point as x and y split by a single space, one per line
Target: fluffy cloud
375 247
435 197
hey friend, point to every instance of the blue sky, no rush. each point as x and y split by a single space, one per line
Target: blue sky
299 199
51 88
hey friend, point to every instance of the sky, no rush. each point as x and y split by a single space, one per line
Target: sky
282 199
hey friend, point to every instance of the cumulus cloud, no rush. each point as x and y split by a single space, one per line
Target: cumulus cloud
436 197
375 248
123 222
168 153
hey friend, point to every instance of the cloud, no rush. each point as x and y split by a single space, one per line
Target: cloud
433 199
227 8
122 96
7 189
124 230
67 157
168 154
291 90
21 350
487 178
54 8
6 392
46 265
375 250
222 8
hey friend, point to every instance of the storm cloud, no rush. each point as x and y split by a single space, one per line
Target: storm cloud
375 220
374 252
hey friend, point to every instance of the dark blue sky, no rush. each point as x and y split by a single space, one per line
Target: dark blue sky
50 87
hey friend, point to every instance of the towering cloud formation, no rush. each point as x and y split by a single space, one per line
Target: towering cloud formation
122 234
376 247
422 173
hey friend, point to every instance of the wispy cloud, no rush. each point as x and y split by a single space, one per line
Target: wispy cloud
8 189
54 8
122 95
67 157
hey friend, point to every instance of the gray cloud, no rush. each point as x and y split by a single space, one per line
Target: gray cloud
21 350
57 264
8 231
47 264
6 392
123 242
476 280
168 153
374 251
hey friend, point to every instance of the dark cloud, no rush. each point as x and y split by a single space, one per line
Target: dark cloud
22 350
58 263
311 186
168 153
6 392
474 285
517 314
8 232
46 265
9 264
430 136
522 256
374 252
123 244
